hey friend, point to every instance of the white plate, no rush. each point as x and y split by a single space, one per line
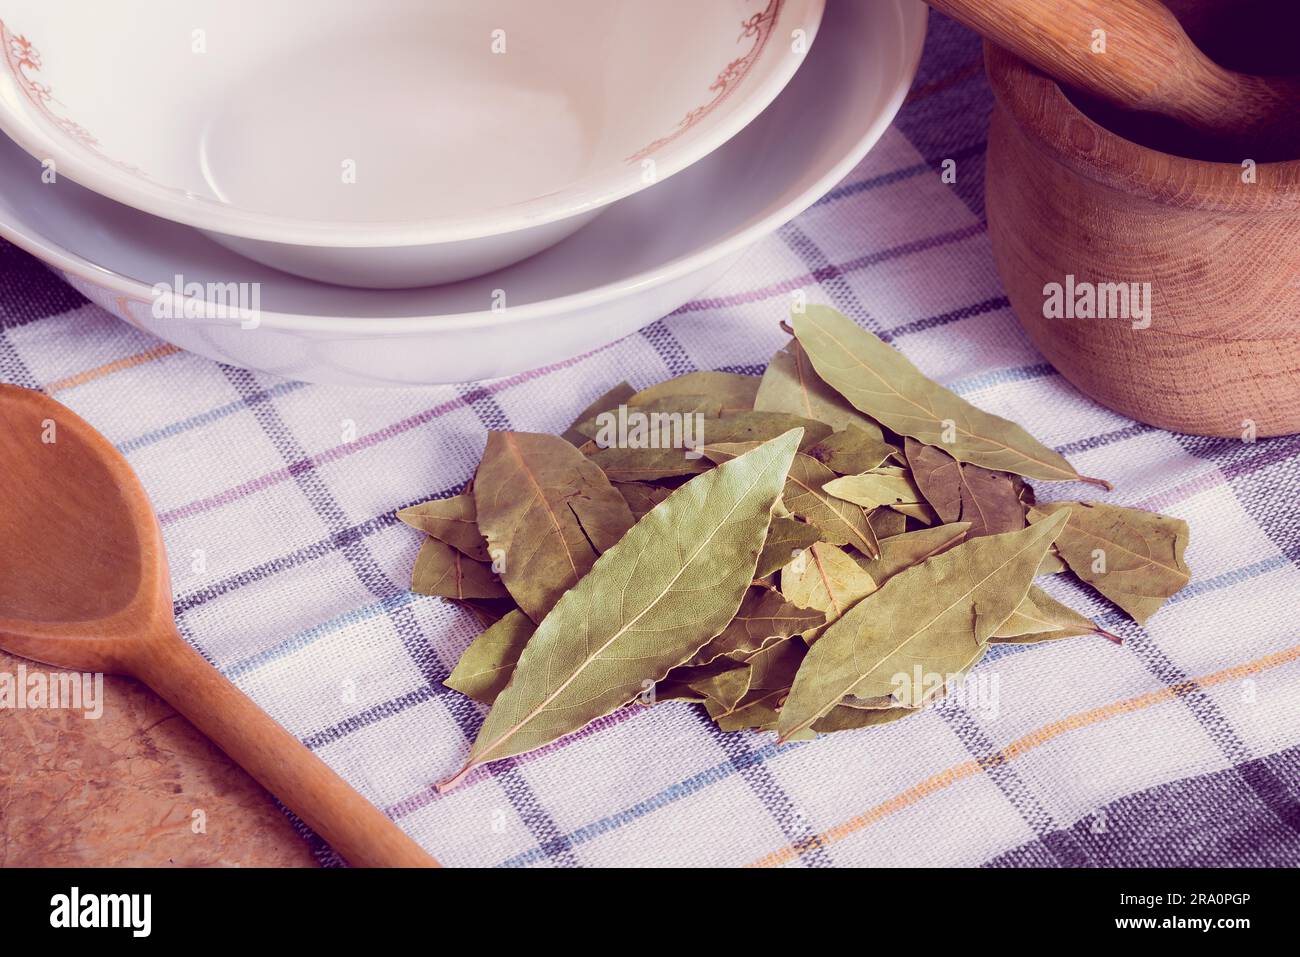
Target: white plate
645 257
396 142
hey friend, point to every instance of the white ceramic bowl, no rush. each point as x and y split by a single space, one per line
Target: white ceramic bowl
391 143
641 260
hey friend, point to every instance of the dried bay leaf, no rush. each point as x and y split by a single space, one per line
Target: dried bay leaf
762 426
888 485
1133 557
451 520
846 718
734 392
912 548
647 465
647 605
487 664
610 400
725 687
672 421
887 523
672 690
791 385
757 710
840 522
879 381
548 511
764 618
825 578
774 667
852 451
641 497
750 427
441 570
488 611
1052 564
785 539
935 617
958 491
1040 617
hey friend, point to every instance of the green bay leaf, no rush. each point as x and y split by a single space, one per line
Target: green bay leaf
647 605
879 381
936 617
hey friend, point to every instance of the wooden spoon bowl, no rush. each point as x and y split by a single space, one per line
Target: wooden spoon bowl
84 586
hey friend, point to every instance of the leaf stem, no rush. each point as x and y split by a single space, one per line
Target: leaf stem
444 786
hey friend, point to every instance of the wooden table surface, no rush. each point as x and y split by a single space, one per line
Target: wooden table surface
123 790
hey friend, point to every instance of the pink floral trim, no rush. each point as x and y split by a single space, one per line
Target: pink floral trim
24 62
758 27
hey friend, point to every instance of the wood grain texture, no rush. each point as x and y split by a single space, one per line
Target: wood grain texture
1067 197
1148 63
122 790
84 585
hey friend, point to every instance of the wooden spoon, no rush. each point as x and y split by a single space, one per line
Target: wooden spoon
84 586
1149 64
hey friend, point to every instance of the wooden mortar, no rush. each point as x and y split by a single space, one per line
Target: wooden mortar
1066 196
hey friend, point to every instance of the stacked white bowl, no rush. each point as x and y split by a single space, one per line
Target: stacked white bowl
378 193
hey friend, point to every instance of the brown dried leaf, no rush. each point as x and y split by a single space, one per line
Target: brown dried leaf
610 400
451 520
764 617
840 522
441 570
487 664
547 513
1133 557
959 492
785 539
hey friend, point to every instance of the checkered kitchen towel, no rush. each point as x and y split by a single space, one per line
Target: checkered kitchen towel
1180 747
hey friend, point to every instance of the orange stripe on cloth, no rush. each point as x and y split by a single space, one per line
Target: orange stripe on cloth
108 368
959 772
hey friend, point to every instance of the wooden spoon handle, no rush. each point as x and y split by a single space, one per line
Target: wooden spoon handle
1149 62
360 832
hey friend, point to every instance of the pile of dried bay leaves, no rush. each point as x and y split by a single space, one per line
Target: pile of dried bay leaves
802 553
